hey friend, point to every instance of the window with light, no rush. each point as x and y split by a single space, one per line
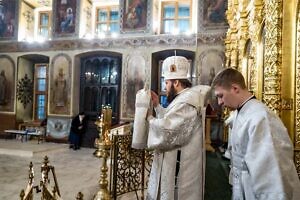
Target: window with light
44 24
40 91
176 17
107 20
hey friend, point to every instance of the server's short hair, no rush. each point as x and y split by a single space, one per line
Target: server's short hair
227 77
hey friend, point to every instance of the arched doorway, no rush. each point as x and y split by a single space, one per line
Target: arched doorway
99 75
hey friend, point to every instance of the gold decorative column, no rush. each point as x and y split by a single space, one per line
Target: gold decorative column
242 35
232 21
297 96
255 69
103 145
250 25
229 16
273 57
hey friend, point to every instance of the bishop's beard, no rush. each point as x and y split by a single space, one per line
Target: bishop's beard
171 94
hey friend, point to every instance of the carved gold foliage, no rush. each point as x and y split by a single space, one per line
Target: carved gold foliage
297 103
274 101
297 136
245 22
287 104
243 34
252 72
273 57
255 19
234 49
231 44
227 49
272 84
297 162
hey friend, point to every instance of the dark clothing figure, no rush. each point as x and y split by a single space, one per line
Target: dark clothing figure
2 27
3 88
44 122
78 127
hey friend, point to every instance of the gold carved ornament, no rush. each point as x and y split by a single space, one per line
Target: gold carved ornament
273 56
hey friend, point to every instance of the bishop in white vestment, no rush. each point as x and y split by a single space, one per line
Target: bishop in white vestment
176 136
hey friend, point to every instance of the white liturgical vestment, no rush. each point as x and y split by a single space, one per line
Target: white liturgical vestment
140 125
176 136
262 156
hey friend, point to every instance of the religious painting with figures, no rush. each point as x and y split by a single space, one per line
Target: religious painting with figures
211 62
60 84
65 17
135 76
7 84
214 13
8 19
134 15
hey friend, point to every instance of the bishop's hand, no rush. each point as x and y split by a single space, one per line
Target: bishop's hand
154 98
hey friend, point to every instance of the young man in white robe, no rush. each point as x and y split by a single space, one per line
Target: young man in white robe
176 136
262 152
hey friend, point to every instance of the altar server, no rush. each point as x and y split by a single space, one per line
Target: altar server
176 135
262 152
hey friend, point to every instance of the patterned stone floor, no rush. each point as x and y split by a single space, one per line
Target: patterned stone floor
79 170
76 170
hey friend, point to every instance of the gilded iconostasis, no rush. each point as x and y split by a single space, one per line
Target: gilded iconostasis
263 43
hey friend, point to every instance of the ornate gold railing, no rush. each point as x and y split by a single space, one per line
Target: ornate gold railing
130 167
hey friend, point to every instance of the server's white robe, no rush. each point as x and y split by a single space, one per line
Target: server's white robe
178 127
262 156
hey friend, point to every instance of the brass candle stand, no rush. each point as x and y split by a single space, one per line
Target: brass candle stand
103 145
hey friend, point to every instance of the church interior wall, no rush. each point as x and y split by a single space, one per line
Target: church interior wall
85 16
24 106
26 20
138 51
132 57
7 70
